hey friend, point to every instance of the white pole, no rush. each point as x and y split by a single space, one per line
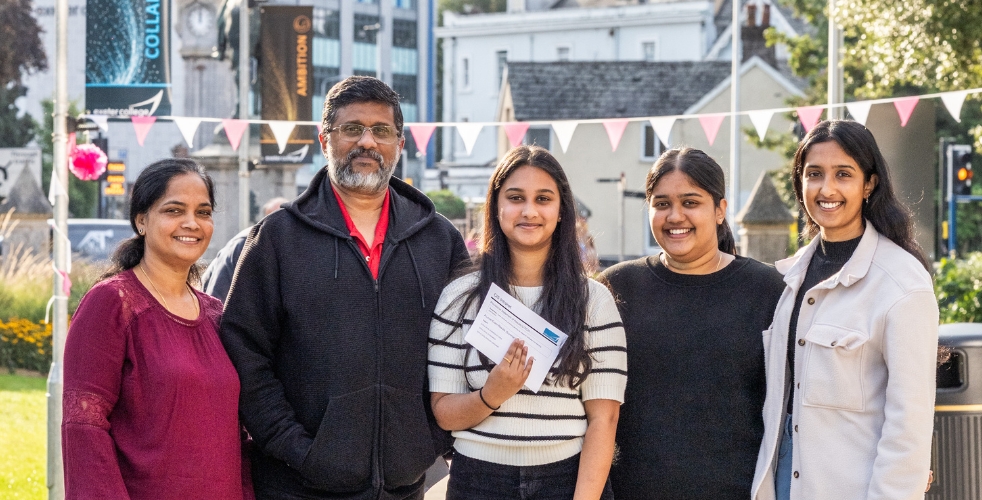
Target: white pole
244 78
737 57
834 70
62 253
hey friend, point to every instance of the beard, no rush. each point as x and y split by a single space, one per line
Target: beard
343 174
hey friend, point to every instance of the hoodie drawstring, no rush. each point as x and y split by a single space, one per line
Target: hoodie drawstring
412 258
336 258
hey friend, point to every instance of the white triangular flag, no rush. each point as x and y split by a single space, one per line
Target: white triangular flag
953 101
101 120
564 132
55 189
188 127
663 127
761 120
859 110
469 132
281 131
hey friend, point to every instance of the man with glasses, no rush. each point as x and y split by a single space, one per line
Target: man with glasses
328 317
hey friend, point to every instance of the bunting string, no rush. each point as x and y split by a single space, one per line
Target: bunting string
515 131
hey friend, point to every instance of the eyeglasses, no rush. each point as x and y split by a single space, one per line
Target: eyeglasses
352 132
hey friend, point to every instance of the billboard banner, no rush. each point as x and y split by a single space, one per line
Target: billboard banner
286 75
16 163
127 58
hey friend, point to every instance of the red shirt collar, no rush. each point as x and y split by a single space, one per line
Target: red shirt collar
374 254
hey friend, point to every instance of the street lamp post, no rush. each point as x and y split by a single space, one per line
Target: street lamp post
62 253
834 70
736 55
244 78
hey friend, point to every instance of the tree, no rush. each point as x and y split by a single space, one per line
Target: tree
448 204
893 48
21 53
83 196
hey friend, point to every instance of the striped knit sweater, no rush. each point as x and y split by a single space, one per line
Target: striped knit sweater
529 428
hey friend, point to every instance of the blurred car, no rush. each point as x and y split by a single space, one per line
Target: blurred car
96 239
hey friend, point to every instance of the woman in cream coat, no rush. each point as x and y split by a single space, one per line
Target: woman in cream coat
850 390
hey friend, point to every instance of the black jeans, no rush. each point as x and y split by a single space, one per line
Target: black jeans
472 479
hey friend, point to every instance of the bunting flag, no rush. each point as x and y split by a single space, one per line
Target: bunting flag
281 132
761 120
615 130
188 127
663 128
905 107
953 102
468 133
320 129
142 124
66 282
564 132
809 116
710 125
421 134
234 130
516 132
859 111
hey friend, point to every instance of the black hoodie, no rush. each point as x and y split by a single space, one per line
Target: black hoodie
332 361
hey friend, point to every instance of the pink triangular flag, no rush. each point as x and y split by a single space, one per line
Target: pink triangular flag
515 132
710 125
66 282
320 128
142 124
234 130
422 134
615 130
809 116
905 107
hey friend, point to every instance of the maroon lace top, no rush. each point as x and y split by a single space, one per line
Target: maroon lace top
150 400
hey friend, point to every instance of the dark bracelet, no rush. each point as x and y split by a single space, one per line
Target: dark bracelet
480 394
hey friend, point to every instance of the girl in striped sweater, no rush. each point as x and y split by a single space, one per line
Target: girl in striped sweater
511 442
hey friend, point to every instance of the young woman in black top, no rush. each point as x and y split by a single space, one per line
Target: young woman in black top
694 315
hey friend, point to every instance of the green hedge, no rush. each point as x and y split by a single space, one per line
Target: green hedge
958 285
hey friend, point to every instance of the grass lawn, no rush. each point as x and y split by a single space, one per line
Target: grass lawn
23 418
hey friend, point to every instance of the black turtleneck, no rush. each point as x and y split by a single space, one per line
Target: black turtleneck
827 260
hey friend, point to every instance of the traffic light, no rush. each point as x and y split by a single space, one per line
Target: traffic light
961 169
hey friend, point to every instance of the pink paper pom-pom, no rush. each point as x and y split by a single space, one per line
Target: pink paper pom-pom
88 162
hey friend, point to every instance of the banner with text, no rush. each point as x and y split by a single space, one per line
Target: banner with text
127 58
287 81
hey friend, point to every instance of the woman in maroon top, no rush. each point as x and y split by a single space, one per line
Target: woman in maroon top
150 397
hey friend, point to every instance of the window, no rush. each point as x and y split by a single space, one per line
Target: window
465 73
650 145
562 53
650 245
538 136
502 58
648 51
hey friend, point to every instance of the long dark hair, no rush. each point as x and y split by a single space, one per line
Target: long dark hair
889 216
149 187
565 289
701 169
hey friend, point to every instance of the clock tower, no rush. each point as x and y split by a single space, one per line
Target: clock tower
206 79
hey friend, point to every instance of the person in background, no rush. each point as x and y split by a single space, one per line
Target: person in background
694 316
150 397
217 278
511 442
851 356
329 312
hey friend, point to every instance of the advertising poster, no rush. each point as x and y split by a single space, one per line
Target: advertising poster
287 81
127 58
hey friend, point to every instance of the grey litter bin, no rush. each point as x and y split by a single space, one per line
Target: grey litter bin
956 457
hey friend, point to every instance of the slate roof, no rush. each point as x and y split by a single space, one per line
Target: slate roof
765 205
585 90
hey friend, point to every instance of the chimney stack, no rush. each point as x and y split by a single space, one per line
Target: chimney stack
752 35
